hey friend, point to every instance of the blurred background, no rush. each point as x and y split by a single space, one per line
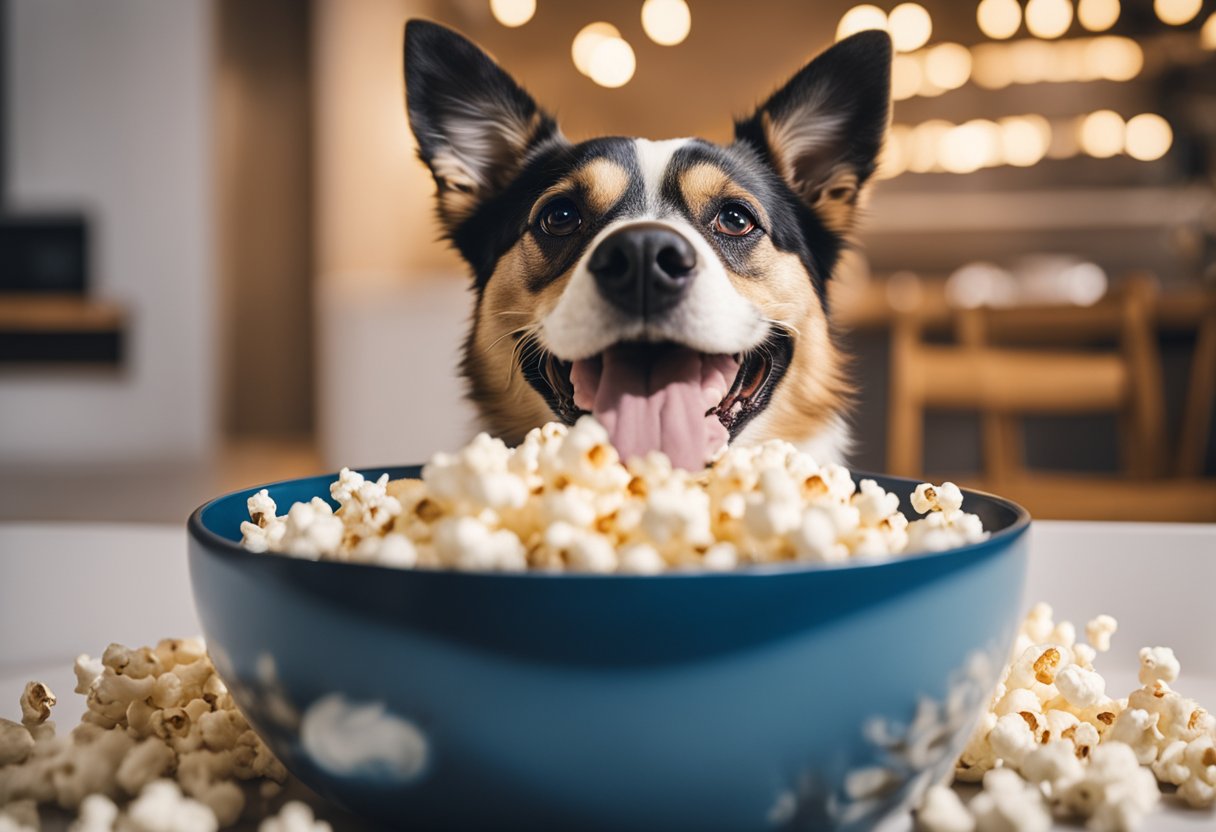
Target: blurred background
219 264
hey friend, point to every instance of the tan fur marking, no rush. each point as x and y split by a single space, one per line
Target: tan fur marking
508 404
834 196
603 182
600 183
703 183
814 391
837 200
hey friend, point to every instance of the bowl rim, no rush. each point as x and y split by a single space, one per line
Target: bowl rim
221 546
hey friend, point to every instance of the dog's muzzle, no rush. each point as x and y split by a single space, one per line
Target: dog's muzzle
644 269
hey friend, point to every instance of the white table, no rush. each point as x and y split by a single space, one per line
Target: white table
67 589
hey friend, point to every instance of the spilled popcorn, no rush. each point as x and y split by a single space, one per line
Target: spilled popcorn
563 501
161 733
1054 745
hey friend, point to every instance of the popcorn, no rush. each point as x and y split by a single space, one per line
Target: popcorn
152 713
1137 729
1080 687
1053 765
977 757
941 530
1158 664
1037 667
19 815
161 807
16 742
644 559
491 507
1092 757
1012 738
943 811
97 814
147 761
1115 793
294 817
947 498
1009 803
88 671
1199 788
1099 630
468 543
36 703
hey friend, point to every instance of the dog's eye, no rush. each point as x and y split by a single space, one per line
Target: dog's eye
560 217
734 220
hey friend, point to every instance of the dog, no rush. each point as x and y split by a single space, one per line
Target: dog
676 290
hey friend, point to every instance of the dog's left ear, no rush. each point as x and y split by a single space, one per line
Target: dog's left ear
474 124
824 129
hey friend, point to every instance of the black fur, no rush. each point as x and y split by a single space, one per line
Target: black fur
852 81
448 79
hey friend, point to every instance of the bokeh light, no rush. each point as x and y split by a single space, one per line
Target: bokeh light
1148 137
1024 140
1101 134
1098 15
586 40
1113 58
512 13
923 143
991 67
1177 12
612 63
910 26
999 19
1082 284
894 159
1207 35
980 284
1029 60
666 22
859 19
1048 19
948 65
969 147
906 76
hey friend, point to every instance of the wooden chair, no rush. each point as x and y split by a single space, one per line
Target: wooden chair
1010 363
1197 413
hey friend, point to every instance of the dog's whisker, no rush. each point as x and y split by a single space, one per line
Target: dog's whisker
522 329
784 325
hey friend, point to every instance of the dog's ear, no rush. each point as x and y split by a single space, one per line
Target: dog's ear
474 124
824 129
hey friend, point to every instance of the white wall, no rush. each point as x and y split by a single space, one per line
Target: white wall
391 304
109 110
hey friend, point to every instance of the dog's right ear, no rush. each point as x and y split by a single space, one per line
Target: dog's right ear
474 124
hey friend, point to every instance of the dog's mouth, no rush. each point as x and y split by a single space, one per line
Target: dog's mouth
663 396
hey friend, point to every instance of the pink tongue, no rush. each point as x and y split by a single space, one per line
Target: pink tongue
655 398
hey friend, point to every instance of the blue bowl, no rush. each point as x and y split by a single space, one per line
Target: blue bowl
785 696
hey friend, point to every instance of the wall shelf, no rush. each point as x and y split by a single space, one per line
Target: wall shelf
60 329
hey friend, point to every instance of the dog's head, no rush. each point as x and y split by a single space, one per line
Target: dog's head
676 289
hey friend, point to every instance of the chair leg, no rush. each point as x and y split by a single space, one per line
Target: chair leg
1197 416
1003 453
905 413
1146 394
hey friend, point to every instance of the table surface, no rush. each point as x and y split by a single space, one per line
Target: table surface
72 588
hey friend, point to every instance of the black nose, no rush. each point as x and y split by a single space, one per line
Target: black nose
644 270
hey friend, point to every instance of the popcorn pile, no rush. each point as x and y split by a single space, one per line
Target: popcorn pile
1054 744
160 730
563 500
